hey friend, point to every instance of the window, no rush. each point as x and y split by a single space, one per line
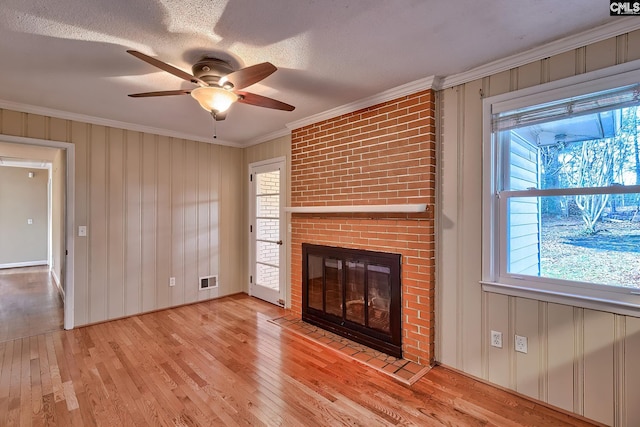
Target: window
562 192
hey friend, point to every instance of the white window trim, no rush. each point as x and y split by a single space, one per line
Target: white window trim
611 299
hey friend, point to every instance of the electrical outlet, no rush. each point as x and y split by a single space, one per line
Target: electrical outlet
172 281
521 344
496 339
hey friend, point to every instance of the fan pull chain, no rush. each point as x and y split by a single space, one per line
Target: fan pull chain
215 131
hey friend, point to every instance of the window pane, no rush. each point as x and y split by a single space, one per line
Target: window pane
592 150
592 239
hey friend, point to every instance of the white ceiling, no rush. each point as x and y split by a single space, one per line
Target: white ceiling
70 55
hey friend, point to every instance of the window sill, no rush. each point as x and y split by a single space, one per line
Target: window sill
601 303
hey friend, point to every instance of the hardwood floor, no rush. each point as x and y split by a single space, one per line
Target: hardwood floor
29 303
223 363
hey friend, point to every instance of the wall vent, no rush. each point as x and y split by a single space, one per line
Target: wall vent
208 282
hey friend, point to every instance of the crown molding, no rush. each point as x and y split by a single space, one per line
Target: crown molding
431 82
269 137
59 114
594 35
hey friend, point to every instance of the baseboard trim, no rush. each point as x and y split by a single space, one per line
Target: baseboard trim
24 264
56 280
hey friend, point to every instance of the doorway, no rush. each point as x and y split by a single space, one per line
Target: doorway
62 239
266 230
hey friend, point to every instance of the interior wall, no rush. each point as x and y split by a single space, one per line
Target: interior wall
155 207
21 199
580 360
58 218
278 147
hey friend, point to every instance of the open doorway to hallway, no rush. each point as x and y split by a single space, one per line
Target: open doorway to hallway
32 239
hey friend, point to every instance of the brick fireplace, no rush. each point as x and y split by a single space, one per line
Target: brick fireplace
380 155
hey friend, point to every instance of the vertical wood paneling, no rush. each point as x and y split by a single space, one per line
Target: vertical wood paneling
619 338
633 45
231 224
115 218
529 75
177 220
191 222
149 220
561 354
578 363
36 126
154 208
58 130
562 65
499 83
13 123
164 212
599 339
471 228
214 210
600 55
527 364
133 223
448 292
97 225
79 137
203 216
498 320
631 373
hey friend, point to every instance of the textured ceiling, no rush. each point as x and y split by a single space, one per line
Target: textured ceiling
70 55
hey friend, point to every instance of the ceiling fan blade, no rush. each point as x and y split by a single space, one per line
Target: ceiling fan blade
262 101
160 93
168 68
249 75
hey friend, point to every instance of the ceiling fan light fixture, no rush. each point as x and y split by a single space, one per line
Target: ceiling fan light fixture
214 99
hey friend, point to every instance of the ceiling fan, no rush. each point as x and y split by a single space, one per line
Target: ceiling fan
219 85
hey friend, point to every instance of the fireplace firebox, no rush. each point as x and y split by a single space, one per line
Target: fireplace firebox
355 294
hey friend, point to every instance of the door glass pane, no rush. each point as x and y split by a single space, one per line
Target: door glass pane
268 229
268 253
268 276
268 206
268 183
